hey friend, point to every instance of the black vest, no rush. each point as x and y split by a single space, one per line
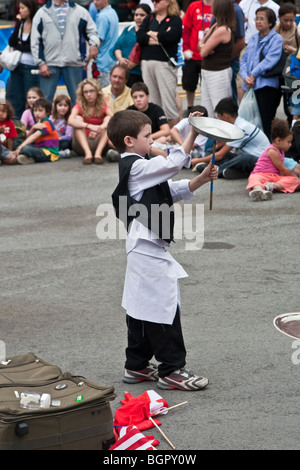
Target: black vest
154 210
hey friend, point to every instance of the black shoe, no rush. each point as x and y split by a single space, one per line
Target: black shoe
233 174
112 156
200 167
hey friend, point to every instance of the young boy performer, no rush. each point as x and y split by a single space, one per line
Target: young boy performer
151 293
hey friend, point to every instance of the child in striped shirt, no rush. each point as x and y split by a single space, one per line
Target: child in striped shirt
42 143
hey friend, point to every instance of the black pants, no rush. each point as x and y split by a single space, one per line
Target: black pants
267 100
164 342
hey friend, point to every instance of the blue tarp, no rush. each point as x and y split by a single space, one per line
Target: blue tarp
5 33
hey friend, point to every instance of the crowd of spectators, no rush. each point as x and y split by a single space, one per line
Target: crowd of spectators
227 48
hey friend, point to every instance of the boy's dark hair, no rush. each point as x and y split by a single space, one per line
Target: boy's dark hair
280 129
200 109
270 15
139 86
123 123
227 106
43 103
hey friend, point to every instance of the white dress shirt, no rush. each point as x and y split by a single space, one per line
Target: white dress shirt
151 290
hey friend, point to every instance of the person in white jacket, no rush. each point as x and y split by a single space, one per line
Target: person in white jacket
60 29
151 295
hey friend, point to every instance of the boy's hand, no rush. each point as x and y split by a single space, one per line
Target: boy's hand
196 113
38 125
210 173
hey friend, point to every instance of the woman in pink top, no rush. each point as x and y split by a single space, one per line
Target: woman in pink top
89 118
270 174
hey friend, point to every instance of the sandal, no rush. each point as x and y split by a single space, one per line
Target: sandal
98 160
87 160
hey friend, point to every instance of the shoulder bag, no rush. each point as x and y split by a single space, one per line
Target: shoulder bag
135 54
277 69
10 57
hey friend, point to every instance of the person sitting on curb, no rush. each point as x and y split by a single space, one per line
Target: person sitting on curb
235 159
160 125
42 143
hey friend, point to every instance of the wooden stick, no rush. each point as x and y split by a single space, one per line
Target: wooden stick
211 183
162 433
170 408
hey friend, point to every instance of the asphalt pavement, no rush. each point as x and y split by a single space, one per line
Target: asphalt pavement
61 288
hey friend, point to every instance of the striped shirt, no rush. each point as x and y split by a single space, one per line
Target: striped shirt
48 141
61 12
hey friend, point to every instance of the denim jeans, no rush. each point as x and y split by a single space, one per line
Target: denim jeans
19 82
36 153
72 76
241 161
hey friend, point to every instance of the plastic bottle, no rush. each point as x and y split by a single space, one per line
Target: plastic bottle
195 152
37 72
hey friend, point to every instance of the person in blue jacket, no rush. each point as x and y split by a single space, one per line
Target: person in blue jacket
252 68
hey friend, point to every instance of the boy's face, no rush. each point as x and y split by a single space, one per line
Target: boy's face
142 144
39 113
140 100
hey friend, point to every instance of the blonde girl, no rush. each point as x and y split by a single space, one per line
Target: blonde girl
89 118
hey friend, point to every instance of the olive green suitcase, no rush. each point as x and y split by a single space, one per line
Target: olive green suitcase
27 369
79 416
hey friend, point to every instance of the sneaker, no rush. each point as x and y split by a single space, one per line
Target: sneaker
233 174
260 195
135 376
112 156
270 186
200 167
64 153
182 379
24 160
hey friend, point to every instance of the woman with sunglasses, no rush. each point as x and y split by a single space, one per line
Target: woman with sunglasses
158 37
89 118
126 42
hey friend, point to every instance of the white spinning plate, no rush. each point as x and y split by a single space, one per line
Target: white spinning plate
216 129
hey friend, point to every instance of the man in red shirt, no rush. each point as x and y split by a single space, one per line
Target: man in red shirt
196 22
